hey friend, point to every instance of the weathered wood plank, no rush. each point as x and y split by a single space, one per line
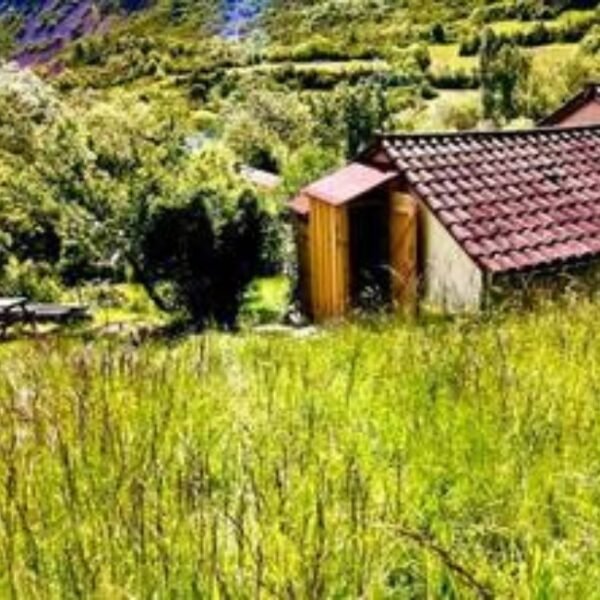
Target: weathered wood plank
403 251
329 260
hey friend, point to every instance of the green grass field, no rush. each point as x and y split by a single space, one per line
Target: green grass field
553 55
510 27
447 459
447 56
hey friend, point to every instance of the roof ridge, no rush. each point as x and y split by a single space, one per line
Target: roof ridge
487 133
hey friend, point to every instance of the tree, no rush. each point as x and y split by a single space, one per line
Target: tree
348 119
365 111
504 74
212 253
263 125
438 33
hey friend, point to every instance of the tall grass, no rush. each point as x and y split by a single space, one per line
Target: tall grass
455 459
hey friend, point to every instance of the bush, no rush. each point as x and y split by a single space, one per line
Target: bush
540 34
33 280
438 34
456 114
591 42
211 254
523 10
323 77
319 49
469 45
455 79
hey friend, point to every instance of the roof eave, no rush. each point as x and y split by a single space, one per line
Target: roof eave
588 94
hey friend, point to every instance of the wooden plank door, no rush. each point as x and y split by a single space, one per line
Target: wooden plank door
403 252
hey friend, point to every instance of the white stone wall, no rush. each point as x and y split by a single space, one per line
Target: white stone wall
452 281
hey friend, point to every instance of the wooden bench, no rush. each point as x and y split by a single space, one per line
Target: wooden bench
20 310
55 313
12 310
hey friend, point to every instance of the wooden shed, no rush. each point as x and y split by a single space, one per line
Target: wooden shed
360 239
438 218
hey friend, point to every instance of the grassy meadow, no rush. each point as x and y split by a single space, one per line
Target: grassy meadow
380 460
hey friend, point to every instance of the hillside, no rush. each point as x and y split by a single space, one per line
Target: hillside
307 45
156 104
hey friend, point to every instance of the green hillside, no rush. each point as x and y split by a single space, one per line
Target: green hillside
415 50
125 130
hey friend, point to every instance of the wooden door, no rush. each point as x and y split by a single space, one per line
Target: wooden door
403 252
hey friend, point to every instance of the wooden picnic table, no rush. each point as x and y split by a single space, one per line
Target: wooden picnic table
12 310
8 304
20 310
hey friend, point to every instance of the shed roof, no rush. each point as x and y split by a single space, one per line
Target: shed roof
260 178
513 200
300 204
574 108
349 183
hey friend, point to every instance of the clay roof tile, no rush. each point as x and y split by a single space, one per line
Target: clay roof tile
513 200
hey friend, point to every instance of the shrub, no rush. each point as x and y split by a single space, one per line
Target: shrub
438 33
211 254
591 42
469 45
524 10
34 280
427 91
319 49
456 114
455 79
540 34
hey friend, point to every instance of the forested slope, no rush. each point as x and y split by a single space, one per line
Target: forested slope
145 115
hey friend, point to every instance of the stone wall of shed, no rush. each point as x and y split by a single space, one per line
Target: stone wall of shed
452 282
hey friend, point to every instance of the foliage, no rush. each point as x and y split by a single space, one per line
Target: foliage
266 301
504 72
306 165
263 124
73 192
457 115
212 252
455 79
413 62
30 279
320 48
591 42
351 116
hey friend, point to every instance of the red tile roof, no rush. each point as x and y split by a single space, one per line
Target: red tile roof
349 183
512 200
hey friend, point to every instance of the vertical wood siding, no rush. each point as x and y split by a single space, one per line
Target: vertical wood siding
329 260
403 252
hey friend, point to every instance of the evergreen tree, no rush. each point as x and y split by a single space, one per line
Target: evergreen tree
504 74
